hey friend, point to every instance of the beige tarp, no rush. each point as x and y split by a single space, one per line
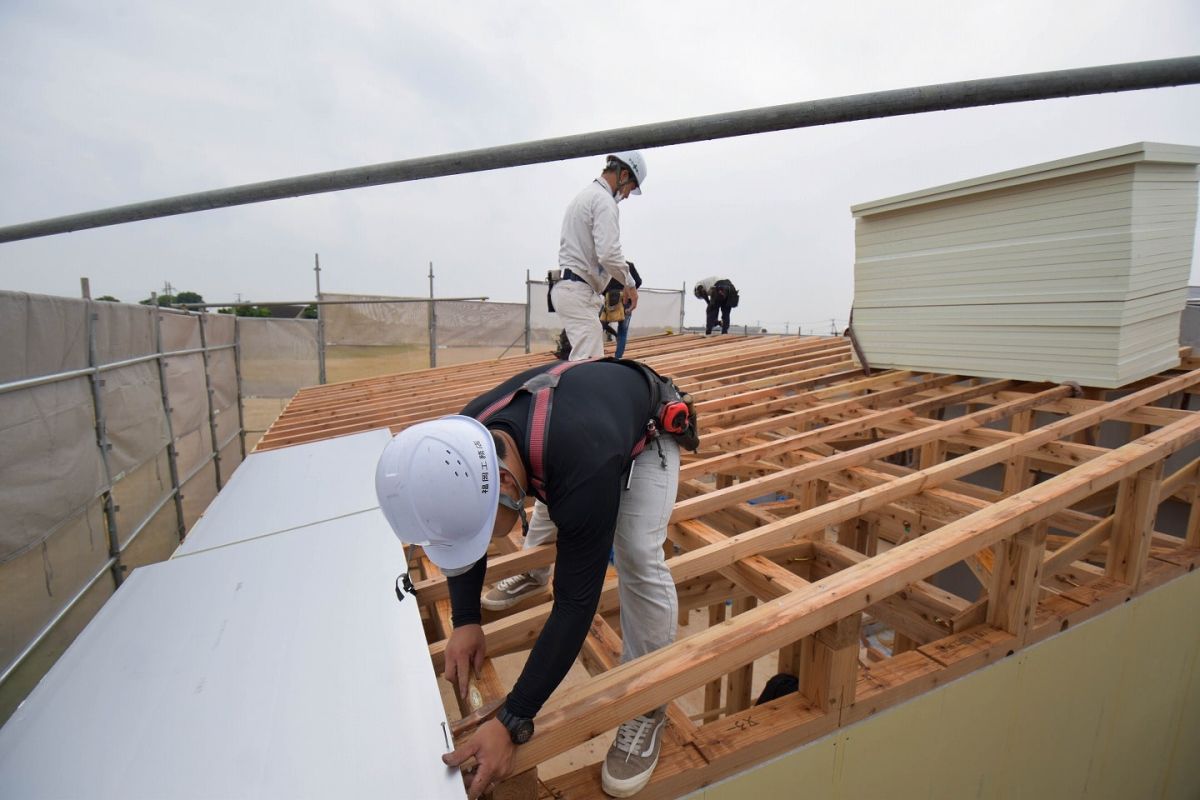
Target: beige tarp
279 356
474 324
54 534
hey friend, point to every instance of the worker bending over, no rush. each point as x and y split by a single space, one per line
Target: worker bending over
453 484
721 296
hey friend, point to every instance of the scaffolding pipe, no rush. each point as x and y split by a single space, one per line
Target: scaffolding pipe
108 504
320 323
194 306
528 315
872 105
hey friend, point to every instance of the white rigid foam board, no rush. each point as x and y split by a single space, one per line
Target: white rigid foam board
281 667
279 490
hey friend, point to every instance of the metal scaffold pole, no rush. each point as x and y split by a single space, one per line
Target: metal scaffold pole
432 321
682 303
320 323
810 113
528 315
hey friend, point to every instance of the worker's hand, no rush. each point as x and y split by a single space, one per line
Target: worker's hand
464 654
493 749
629 295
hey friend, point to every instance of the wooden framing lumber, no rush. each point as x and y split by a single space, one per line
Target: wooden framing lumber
821 498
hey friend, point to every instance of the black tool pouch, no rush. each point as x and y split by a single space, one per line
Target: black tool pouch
664 393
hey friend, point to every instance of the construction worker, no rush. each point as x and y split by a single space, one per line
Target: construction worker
589 252
454 483
589 255
721 296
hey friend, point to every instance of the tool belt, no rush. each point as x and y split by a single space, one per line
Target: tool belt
614 305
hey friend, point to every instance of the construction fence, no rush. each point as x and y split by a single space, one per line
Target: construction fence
119 423
440 332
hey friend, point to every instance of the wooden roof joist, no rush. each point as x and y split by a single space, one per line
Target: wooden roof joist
659 677
822 500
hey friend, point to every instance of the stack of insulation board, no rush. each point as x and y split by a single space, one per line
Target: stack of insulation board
1075 269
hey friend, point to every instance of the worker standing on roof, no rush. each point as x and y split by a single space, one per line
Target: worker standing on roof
589 254
453 484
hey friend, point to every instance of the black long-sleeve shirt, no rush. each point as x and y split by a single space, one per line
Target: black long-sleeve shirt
599 414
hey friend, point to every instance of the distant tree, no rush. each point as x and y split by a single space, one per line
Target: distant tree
246 311
108 298
310 312
173 299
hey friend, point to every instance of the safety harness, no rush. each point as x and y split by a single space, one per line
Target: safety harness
672 412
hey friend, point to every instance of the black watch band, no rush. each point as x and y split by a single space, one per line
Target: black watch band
520 729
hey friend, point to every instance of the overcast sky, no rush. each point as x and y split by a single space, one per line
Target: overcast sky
118 102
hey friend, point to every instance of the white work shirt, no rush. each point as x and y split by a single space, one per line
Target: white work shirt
590 244
709 283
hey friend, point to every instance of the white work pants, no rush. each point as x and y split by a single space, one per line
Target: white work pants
579 308
649 605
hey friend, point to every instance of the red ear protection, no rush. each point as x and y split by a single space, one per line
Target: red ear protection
674 418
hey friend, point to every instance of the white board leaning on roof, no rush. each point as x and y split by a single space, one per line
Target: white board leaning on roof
1074 269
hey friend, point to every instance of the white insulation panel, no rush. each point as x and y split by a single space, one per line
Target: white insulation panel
277 667
283 489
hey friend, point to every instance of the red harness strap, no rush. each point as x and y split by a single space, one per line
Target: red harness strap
541 387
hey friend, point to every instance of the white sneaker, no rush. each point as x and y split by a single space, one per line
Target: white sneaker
633 756
512 590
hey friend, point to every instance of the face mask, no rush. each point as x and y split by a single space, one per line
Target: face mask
517 505
619 196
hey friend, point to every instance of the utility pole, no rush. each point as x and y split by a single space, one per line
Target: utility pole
320 322
528 315
432 322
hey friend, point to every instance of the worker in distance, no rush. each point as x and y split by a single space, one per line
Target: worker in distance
597 442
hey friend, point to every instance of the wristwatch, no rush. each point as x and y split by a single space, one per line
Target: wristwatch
520 729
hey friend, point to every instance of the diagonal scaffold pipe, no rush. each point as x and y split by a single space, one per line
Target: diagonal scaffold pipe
873 105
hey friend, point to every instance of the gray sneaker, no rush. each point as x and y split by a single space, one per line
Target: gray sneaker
510 591
633 756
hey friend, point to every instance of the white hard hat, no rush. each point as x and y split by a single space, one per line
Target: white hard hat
637 165
438 484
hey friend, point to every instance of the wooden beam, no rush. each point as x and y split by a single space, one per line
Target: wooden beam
1133 525
1016 579
830 671
738 682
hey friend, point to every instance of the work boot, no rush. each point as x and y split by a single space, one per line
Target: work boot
510 591
633 756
